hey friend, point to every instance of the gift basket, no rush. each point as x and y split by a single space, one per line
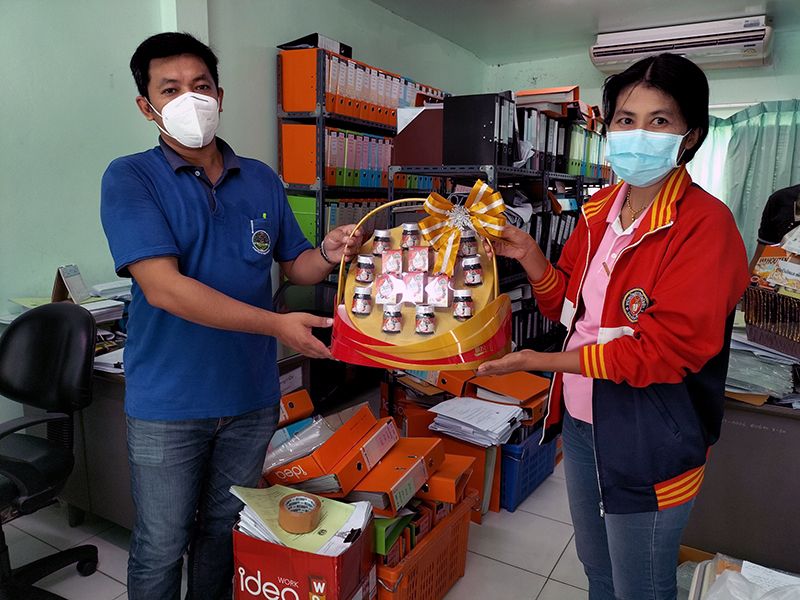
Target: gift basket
425 295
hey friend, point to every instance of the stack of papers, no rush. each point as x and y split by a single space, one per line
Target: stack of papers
104 311
340 523
477 421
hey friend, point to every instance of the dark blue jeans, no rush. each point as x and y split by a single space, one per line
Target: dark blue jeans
181 472
625 556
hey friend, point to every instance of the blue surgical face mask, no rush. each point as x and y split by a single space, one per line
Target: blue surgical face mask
642 157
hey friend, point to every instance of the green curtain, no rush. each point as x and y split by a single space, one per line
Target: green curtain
748 156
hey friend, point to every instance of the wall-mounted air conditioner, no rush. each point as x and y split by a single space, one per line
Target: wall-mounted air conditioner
714 44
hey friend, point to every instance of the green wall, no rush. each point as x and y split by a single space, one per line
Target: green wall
778 81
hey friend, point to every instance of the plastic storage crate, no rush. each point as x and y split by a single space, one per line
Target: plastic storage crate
436 563
524 467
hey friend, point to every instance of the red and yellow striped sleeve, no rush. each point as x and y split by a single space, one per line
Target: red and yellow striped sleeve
593 361
550 291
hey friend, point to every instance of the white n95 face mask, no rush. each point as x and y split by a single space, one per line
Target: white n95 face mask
641 157
191 118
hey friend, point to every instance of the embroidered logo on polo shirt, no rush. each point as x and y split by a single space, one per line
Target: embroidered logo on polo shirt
261 242
634 303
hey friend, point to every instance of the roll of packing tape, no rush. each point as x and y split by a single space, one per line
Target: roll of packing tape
299 513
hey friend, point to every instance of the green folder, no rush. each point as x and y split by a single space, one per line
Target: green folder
387 531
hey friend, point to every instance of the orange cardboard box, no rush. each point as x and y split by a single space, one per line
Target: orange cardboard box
323 460
400 475
295 406
449 483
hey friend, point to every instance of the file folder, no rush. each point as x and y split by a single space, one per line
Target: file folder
355 465
400 475
295 406
518 388
449 483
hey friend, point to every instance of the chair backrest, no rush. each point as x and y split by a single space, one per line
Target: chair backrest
47 357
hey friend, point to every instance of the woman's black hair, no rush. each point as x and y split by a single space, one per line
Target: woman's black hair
676 76
163 45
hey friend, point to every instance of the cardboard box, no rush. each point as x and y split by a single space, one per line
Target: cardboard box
263 570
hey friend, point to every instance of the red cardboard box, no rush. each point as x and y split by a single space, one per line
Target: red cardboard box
266 571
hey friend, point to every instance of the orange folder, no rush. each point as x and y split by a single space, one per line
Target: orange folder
567 93
454 382
529 389
365 455
449 483
324 459
520 385
400 475
295 406
454 446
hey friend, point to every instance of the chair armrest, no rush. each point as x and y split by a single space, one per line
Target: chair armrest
15 425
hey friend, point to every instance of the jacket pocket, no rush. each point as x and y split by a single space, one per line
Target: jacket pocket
661 408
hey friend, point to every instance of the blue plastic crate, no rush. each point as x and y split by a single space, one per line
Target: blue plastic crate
524 467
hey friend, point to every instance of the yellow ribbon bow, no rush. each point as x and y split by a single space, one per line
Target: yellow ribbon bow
482 212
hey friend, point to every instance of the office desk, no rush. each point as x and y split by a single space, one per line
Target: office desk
747 504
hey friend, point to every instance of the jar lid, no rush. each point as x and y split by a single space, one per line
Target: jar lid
424 309
471 260
410 227
392 308
384 233
366 258
363 291
465 294
468 233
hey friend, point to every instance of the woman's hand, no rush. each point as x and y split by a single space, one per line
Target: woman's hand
339 242
520 246
524 360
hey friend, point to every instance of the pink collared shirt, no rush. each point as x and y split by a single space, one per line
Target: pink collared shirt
577 388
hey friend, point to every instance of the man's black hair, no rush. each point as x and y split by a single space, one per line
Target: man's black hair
167 44
677 77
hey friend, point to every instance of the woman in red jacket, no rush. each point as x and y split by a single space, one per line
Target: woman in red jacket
646 285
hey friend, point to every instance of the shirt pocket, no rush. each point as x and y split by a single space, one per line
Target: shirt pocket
258 241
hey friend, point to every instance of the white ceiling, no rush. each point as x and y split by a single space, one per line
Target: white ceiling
504 31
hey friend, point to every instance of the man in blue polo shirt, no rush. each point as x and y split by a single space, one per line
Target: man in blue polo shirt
198 228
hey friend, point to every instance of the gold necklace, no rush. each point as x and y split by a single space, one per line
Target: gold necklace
634 213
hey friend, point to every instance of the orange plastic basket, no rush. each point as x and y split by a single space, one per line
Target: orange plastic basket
435 564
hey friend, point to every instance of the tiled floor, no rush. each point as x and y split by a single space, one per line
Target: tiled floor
525 555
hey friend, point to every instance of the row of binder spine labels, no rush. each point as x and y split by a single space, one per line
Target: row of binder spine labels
561 146
545 136
344 211
358 90
358 159
551 232
586 152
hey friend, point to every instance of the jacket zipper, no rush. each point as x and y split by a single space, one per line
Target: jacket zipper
594 438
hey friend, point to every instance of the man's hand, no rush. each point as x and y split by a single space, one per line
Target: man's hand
338 242
524 360
294 330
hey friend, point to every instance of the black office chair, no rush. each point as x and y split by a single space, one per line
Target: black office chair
46 361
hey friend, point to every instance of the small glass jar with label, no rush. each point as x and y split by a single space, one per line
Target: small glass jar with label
410 236
463 306
392 318
473 272
381 242
469 243
362 301
365 268
425 323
